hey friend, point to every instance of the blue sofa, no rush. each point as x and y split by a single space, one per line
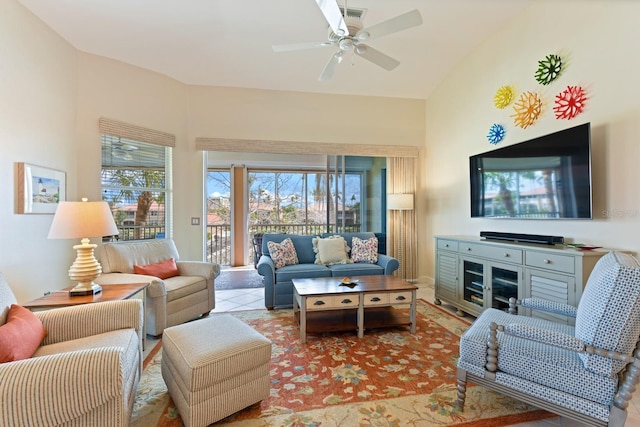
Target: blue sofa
278 288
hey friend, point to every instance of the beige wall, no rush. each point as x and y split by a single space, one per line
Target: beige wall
58 95
598 41
38 75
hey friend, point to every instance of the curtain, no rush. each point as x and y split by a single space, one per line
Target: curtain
402 240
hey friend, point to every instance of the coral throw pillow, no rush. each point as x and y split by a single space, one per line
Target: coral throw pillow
283 253
364 250
21 336
331 250
161 270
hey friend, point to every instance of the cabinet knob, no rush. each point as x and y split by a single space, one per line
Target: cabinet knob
375 299
400 298
345 301
468 249
547 261
506 255
446 245
318 303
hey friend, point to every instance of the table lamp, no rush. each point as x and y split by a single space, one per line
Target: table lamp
82 220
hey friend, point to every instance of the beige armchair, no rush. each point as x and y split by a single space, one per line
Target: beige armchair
85 372
170 301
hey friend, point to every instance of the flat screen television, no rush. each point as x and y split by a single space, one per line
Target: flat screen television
548 177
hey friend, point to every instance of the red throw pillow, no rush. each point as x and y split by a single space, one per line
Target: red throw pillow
21 336
161 270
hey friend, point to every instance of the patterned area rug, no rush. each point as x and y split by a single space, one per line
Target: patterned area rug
388 378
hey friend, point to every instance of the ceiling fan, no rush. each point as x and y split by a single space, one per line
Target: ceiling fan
347 33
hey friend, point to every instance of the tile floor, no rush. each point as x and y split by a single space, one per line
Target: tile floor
253 299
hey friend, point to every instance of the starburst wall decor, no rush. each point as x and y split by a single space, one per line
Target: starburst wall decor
548 69
570 102
527 109
496 133
503 97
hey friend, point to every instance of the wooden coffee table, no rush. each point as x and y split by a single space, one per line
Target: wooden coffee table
324 305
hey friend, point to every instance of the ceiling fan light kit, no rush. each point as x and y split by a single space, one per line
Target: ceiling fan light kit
346 32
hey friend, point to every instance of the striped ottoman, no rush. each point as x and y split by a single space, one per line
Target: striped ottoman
214 367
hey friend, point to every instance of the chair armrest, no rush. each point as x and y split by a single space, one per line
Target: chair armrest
543 305
267 268
56 389
69 323
544 336
389 263
155 289
205 269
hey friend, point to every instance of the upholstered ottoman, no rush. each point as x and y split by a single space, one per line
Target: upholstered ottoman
214 367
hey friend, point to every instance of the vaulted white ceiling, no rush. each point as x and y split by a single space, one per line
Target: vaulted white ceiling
228 42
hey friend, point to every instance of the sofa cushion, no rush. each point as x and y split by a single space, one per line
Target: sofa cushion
285 274
283 253
608 315
162 270
21 336
364 250
359 269
182 286
331 250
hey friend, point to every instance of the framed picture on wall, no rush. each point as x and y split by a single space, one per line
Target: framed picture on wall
39 189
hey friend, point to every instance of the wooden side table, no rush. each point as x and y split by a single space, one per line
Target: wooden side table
61 298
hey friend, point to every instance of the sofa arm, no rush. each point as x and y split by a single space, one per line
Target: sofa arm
56 389
389 263
205 269
267 269
543 305
69 323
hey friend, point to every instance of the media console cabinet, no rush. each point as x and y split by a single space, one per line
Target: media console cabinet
473 274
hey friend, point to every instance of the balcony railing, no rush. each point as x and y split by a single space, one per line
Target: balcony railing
219 236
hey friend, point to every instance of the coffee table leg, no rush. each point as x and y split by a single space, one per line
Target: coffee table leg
300 303
412 312
361 316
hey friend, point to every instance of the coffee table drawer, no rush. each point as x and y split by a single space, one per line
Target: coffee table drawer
381 298
400 297
329 302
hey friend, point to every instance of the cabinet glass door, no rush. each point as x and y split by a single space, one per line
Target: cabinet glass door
504 285
474 283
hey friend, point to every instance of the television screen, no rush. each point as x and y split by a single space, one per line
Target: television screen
545 177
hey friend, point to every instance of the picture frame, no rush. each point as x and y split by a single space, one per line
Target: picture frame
39 189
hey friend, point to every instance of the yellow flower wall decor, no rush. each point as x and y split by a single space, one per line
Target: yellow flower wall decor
527 109
503 97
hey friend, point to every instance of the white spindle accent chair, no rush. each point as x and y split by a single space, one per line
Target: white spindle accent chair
585 372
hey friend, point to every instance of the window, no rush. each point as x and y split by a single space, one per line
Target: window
136 184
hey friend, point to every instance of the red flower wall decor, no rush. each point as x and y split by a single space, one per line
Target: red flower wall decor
570 102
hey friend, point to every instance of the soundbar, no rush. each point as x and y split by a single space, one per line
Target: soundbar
522 238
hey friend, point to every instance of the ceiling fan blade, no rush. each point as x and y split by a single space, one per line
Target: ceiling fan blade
375 56
298 46
330 68
332 14
393 25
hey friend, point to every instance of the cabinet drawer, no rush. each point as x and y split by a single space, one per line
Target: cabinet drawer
400 297
448 245
492 252
549 261
381 298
